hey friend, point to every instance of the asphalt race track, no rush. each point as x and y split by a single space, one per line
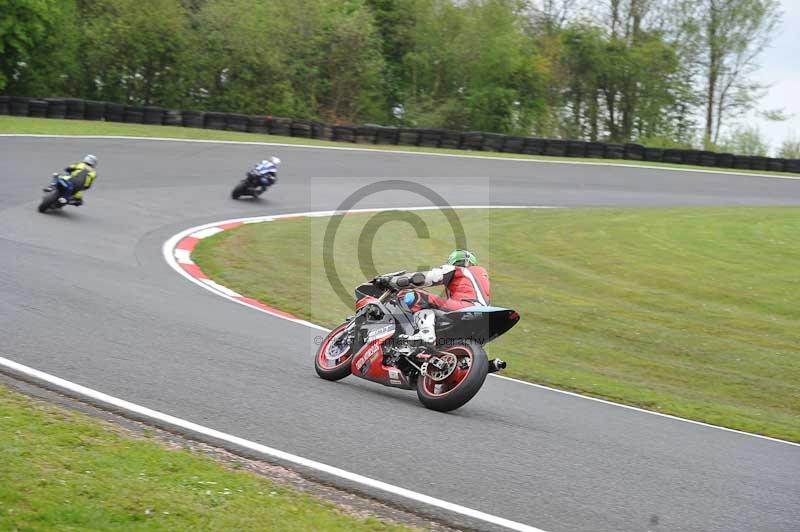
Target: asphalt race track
86 295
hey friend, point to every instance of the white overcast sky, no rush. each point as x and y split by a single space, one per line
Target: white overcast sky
780 68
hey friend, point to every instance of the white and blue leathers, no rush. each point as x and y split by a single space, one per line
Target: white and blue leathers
265 172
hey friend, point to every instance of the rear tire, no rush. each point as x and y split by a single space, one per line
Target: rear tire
48 200
239 190
462 385
333 369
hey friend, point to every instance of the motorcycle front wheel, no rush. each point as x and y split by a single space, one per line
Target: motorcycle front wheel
48 201
333 360
466 368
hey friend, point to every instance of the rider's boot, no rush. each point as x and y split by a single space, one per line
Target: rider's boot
425 324
76 201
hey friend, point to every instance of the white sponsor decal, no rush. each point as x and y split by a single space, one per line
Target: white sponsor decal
367 354
380 331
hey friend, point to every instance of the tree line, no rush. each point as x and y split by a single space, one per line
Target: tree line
671 73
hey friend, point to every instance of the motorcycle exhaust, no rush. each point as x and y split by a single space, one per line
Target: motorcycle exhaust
496 365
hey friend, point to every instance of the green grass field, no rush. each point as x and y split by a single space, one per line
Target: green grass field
61 470
691 312
46 126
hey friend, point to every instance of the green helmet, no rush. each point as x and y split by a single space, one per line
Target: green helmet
462 257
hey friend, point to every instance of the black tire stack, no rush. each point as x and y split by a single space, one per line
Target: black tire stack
78 109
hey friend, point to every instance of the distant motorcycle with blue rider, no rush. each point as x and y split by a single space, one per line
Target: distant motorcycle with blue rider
258 179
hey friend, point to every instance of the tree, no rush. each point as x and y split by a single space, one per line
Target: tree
471 66
347 52
790 149
730 35
36 55
745 141
130 55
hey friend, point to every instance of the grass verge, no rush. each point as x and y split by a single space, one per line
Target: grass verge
62 470
691 312
48 126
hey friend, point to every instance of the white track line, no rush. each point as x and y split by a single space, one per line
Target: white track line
170 244
405 152
262 449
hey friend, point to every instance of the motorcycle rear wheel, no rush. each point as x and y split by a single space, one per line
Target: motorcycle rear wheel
48 201
239 190
460 386
333 369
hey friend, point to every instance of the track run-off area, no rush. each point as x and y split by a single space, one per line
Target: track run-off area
86 296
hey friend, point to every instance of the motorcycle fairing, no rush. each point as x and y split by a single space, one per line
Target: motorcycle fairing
374 326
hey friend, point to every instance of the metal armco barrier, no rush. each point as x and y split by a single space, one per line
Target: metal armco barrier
78 109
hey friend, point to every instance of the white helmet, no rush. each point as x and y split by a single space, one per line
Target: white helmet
275 161
91 160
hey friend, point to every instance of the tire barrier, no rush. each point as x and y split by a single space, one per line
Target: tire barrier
555 147
533 146
280 126
193 118
595 150
366 135
255 124
513 144
344 133
758 163
742 162
386 135
708 158
724 160
634 152
321 131
56 108
301 128
450 140
95 110
18 106
673 156
78 109
407 137
472 140
429 138
615 151
577 148
173 117
492 142
37 108
214 121
236 122
654 155
115 112
691 157
133 114
776 165
154 116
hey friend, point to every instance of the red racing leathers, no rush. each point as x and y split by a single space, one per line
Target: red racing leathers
464 287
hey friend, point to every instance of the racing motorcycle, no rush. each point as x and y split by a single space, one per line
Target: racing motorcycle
373 345
253 185
58 193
